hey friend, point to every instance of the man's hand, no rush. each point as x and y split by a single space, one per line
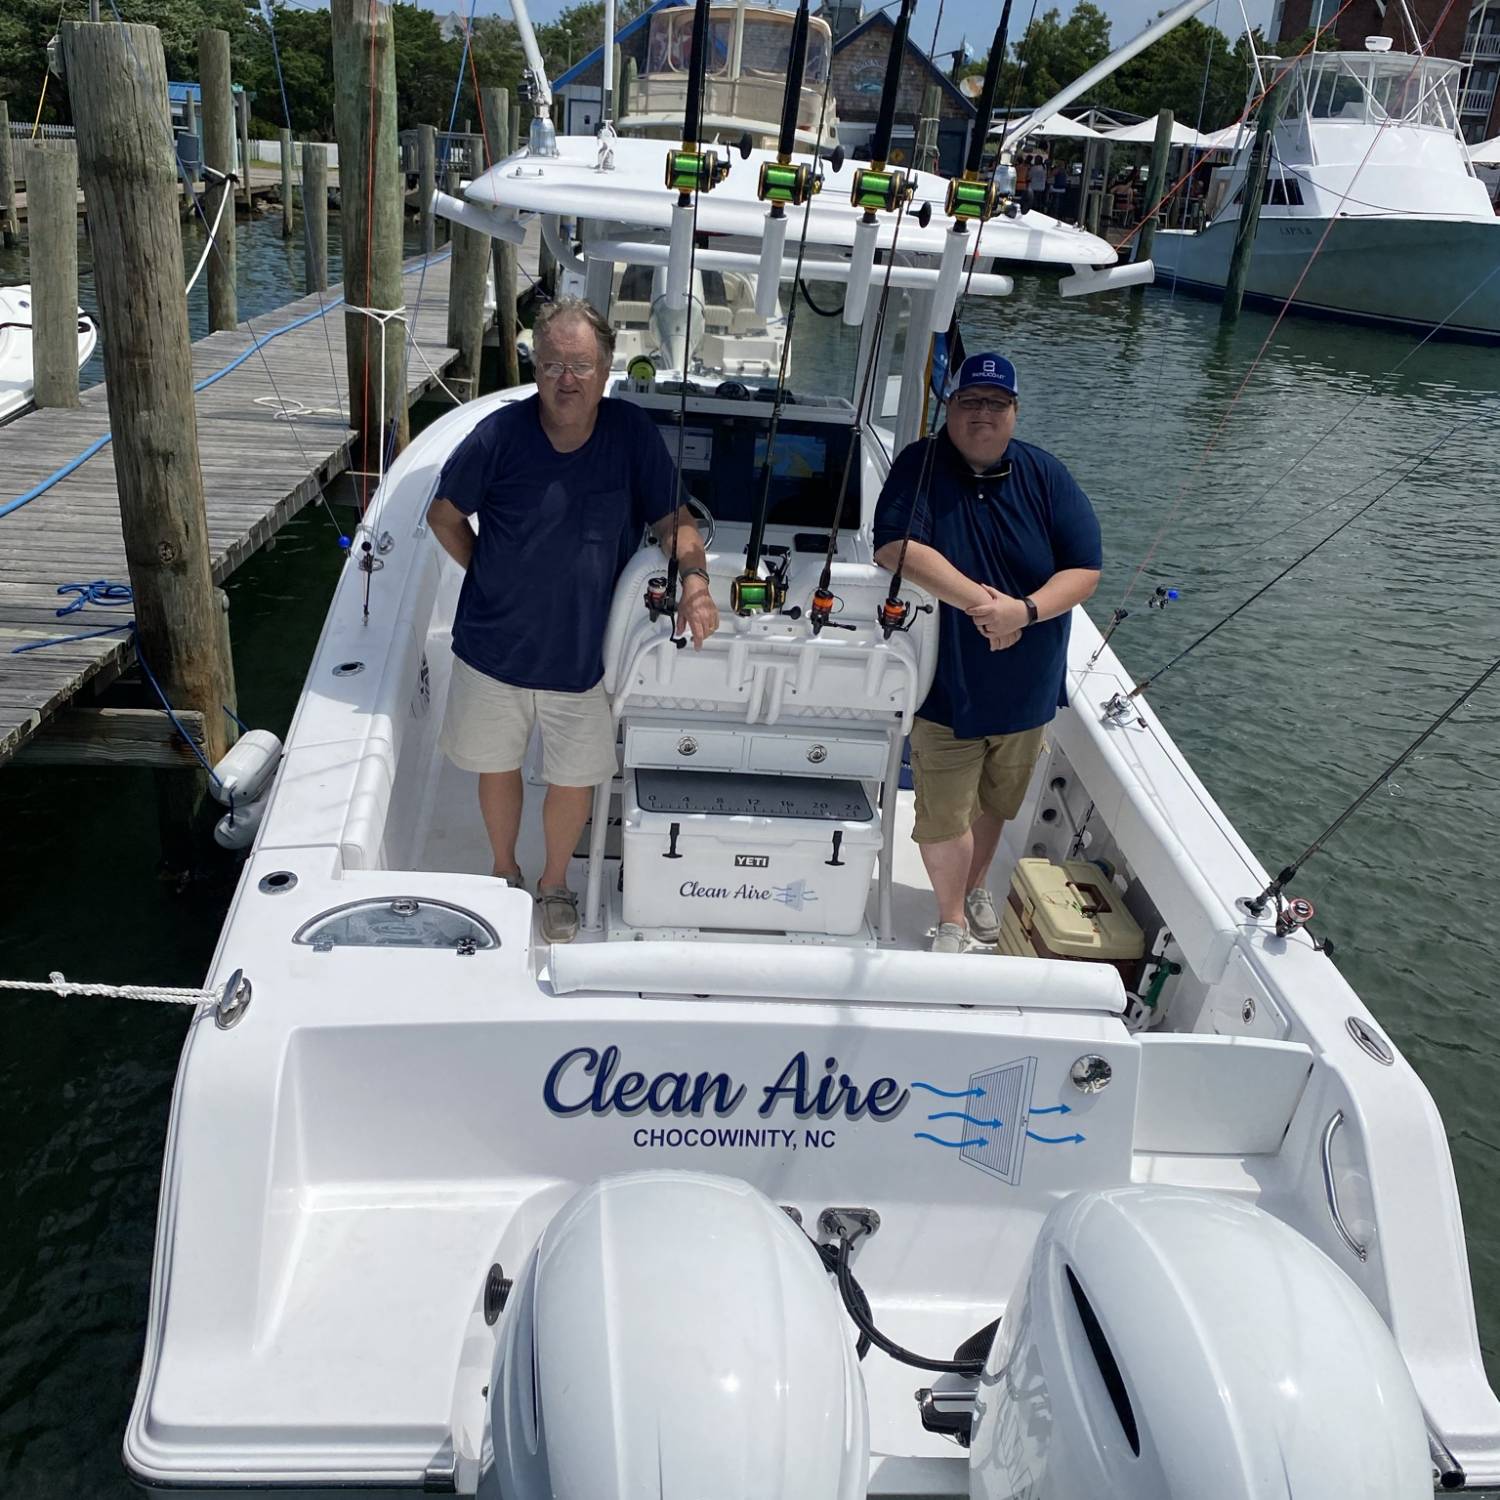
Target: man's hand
697 612
1004 642
1000 618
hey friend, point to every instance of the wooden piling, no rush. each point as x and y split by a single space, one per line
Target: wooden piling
190 115
218 153
242 109
1161 150
52 235
117 81
502 141
515 137
287 209
315 215
9 230
467 284
625 90
427 184
1254 190
371 193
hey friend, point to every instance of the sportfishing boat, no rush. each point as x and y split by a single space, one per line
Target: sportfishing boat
17 382
1371 211
745 1193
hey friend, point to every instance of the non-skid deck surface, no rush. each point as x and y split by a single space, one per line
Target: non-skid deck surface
258 472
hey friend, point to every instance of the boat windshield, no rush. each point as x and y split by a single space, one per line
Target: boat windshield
1376 88
764 52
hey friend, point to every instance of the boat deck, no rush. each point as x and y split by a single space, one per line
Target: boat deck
258 472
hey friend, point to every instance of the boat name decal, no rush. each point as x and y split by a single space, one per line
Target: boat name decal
587 1080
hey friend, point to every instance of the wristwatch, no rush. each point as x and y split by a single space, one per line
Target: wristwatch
1030 604
703 574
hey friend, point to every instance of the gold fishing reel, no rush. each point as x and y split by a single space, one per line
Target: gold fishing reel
694 171
971 198
881 189
789 183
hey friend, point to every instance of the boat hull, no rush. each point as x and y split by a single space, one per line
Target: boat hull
1423 275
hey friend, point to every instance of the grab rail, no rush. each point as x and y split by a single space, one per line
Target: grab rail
1330 1188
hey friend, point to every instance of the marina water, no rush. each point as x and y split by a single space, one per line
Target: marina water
1286 714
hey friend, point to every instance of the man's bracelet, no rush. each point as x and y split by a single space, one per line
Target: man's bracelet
702 573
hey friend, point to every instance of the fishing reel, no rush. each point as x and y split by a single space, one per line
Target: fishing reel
897 615
968 200
824 602
1162 598
659 598
1292 913
878 189
692 171
750 594
789 184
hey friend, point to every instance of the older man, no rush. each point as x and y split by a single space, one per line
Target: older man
1002 534
563 485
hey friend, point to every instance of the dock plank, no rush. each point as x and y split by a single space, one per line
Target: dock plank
259 470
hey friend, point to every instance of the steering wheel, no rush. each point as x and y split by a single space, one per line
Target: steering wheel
697 507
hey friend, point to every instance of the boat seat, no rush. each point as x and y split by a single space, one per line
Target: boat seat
747 320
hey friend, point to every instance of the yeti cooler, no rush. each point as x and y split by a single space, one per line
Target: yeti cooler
747 853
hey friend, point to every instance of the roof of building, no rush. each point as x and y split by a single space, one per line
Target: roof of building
879 18
596 57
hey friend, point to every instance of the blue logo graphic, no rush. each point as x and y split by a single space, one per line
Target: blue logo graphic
795 896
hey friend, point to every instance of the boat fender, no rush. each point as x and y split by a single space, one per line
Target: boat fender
246 770
238 827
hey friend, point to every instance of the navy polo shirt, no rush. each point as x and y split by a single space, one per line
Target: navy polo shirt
555 532
1012 530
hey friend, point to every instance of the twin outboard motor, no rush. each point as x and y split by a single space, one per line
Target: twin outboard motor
674 1336
1169 1344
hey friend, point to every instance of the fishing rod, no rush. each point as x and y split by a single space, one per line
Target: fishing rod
1297 912
782 182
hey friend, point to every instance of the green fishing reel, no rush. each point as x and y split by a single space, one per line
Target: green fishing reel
750 594
695 171
789 183
875 190
971 199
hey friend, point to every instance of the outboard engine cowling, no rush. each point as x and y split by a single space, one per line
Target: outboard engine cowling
1169 1344
674 1336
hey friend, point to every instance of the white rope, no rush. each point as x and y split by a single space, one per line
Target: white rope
55 984
422 355
382 316
287 409
213 234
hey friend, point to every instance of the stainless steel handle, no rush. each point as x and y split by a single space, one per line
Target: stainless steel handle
1332 1191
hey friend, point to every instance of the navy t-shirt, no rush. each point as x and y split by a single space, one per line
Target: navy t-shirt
1012 527
555 532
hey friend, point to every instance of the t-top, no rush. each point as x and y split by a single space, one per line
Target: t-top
555 532
1011 527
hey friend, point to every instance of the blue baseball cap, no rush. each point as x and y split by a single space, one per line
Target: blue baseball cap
987 369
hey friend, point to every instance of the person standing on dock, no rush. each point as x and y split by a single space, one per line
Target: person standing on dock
1001 533
563 484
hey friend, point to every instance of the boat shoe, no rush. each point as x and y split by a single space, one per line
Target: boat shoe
515 880
984 923
952 937
559 913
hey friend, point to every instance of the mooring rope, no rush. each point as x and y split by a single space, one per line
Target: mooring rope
55 984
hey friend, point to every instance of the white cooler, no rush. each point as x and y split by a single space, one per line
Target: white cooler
747 853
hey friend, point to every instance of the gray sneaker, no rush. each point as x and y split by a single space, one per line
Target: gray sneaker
984 922
559 913
516 880
950 937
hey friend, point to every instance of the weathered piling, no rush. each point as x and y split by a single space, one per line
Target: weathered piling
502 141
466 288
117 80
1254 190
625 90
9 233
1156 184
315 215
242 114
427 184
218 157
287 209
371 193
52 235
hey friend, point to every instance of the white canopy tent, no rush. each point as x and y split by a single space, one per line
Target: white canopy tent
1057 127
1486 153
1225 139
1143 133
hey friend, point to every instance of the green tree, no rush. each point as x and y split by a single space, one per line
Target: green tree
1192 71
1053 52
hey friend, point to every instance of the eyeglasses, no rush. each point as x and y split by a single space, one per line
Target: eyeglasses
580 370
975 404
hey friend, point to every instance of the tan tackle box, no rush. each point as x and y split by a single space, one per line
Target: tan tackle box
1070 910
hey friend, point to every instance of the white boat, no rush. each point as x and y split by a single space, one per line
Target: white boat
1372 210
16 369
670 1211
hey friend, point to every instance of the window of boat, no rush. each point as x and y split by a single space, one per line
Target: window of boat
635 285
723 467
671 46
1339 94
1283 190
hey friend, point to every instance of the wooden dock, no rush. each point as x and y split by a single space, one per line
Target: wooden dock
258 472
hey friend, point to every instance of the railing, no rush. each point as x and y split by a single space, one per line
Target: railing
1476 46
21 131
1477 101
455 153
748 99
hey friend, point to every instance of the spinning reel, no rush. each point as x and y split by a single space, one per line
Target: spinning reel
897 615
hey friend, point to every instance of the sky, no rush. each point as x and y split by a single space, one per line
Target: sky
974 20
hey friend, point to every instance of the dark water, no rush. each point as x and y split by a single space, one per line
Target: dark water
1286 713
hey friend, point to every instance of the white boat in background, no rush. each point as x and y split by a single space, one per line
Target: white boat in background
1366 142
16 372
745 1194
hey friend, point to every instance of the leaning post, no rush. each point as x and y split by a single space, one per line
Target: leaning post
315 215
1161 150
287 210
466 288
217 100
9 230
497 124
372 190
52 234
117 80
1254 190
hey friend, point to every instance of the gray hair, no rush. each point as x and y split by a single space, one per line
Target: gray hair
575 309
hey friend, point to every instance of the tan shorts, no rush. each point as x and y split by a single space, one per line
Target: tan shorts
957 779
487 724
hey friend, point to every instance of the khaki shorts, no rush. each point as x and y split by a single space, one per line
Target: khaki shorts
957 779
487 724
